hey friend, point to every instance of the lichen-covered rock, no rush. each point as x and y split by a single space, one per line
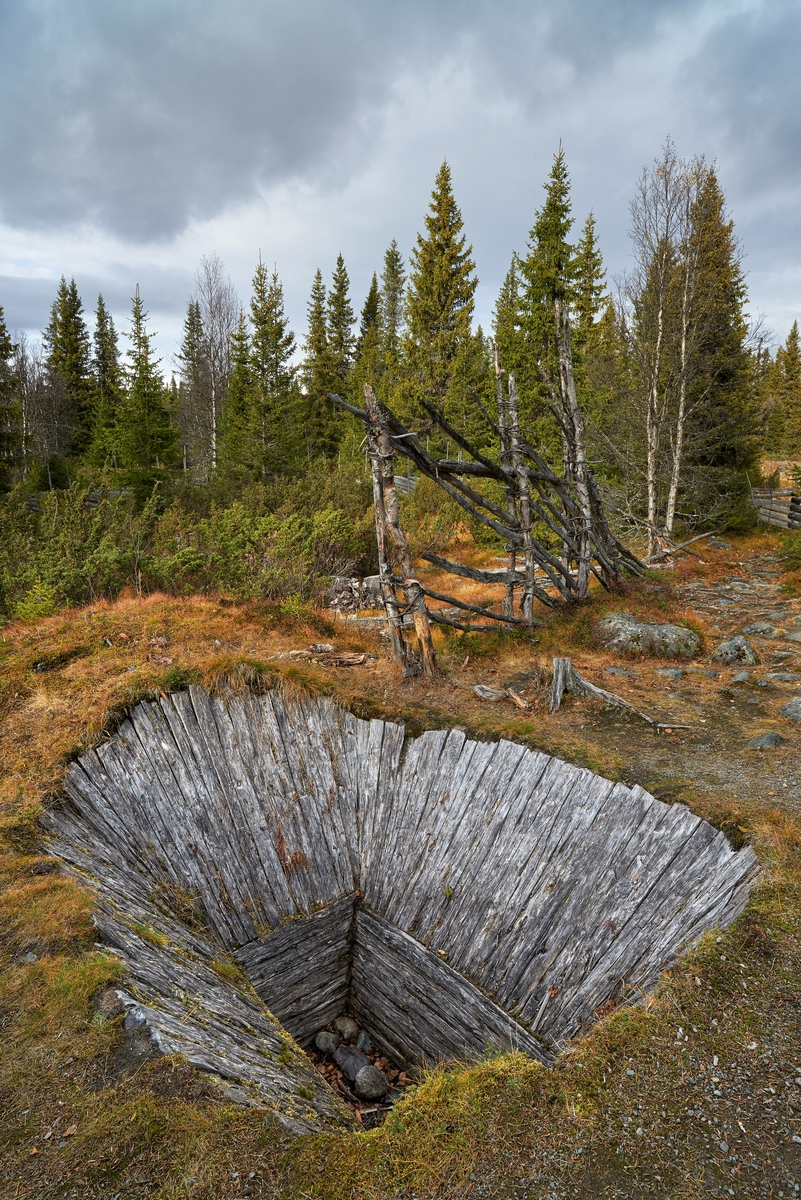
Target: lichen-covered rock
371 1084
764 741
326 1043
624 633
736 650
792 710
760 629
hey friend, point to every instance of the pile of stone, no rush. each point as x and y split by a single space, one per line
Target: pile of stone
345 1057
350 595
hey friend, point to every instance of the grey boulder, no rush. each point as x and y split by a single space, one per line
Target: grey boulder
736 650
623 632
326 1043
350 1061
347 1027
792 710
760 629
370 1083
764 741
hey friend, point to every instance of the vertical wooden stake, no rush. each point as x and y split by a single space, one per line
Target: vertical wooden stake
415 597
524 500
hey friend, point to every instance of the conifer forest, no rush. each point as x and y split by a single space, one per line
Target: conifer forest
232 469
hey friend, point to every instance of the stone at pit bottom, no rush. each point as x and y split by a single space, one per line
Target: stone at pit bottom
350 1061
370 1083
326 1043
347 1028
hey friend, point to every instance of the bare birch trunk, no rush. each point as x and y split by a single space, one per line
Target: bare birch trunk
415 596
524 501
574 423
506 463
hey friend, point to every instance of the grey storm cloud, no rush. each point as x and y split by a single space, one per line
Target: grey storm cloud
137 117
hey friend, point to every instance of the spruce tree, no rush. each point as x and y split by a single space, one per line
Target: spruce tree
66 342
8 383
393 280
441 292
192 395
237 415
272 345
341 342
547 292
722 401
321 423
549 268
106 387
368 343
506 321
589 289
786 379
146 440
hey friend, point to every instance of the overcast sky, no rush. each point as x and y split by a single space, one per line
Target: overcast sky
136 137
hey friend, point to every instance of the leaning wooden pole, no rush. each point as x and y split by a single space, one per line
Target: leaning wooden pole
415 596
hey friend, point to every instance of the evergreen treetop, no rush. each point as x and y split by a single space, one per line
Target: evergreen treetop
393 280
145 437
341 342
66 342
321 376
107 386
441 291
549 268
8 384
272 341
589 275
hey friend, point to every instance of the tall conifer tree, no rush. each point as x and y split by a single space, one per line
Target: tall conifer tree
321 376
786 388
66 341
341 342
146 440
589 275
7 416
393 281
272 376
237 416
106 387
190 413
441 292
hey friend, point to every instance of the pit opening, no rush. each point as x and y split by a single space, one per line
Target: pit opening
265 866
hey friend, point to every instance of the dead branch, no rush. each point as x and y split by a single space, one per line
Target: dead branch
483 612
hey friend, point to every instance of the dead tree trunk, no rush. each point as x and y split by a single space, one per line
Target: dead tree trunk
384 570
415 596
524 501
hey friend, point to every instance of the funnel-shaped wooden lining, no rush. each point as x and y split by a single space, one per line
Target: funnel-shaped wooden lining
454 894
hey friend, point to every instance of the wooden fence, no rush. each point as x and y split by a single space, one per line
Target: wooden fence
778 506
